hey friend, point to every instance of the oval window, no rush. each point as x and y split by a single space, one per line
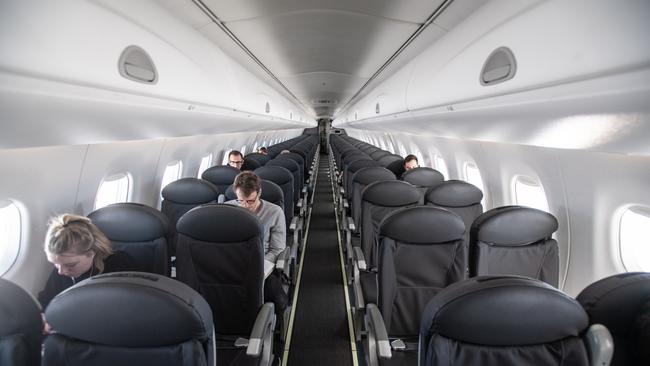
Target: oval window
634 228
172 173
113 189
206 162
473 176
441 166
529 192
10 229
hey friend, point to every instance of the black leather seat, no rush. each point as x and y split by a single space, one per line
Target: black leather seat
260 158
622 303
423 178
181 196
515 240
220 254
294 168
462 198
129 318
504 320
221 176
20 326
360 180
139 230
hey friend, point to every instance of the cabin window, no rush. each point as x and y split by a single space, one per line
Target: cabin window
224 161
113 189
10 229
255 145
529 192
441 166
634 228
206 162
473 176
243 150
172 173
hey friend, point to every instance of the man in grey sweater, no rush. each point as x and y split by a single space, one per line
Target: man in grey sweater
248 188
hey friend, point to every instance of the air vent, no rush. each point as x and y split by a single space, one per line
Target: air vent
499 67
267 108
377 108
323 101
135 64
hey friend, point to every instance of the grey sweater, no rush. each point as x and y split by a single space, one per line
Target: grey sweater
275 231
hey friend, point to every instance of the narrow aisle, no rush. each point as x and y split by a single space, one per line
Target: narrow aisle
320 329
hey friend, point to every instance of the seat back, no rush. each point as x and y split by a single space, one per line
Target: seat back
304 169
271 192
261 159
462 198
421 251
622 303
20 326
181 196
250 164
139 230
423 178
515 240
221 176
129 318
352 168
220 254
284 179
294 168
378 200
491 320
362 178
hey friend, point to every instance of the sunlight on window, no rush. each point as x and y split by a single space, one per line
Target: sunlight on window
441 166
528 192
224 161
10 229
473 176
255 147
633 239
206 162
113 189
243 150
172 173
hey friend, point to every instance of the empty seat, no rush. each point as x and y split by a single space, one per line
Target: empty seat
221 176
423 178
129 318
362 178
352 168
20 326
250 164
622 303
294 168
260 158
515 240
515 321
181 196
462 198
220 254
139 230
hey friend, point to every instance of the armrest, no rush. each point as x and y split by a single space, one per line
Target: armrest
360 259
294 223
282 262
304 189
299 204
261 339
599 345
350 224
341 190
378 342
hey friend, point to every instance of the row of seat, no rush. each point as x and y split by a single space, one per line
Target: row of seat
149 319
407 252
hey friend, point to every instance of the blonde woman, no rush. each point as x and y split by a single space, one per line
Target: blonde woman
78 250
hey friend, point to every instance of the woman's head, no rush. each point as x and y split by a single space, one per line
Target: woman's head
74 245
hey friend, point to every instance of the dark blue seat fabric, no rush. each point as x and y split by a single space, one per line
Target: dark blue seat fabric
515 240
261 159
502 320
139 230
129 318
20 326
622 303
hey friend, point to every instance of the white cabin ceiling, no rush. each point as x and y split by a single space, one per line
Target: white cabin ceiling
322 52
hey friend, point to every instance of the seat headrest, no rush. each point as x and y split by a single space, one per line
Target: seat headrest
19 312
379 154
359 164
514 225
130 222
423 177
388 159
270 192
260 158
285 162
250 164
616 301
221 175
503 311
422 225
372 174
349 159
276 174
391 193
190 191
131 309
219 223
455 193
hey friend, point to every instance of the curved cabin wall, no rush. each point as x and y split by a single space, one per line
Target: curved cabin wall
69 119
575 115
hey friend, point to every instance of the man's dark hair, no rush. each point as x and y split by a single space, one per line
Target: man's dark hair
248 182
410 157
235 153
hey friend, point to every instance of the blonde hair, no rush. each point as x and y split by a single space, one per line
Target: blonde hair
77 234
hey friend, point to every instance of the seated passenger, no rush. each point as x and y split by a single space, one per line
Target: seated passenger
263 150
248 188
235 159
410 162
78 250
